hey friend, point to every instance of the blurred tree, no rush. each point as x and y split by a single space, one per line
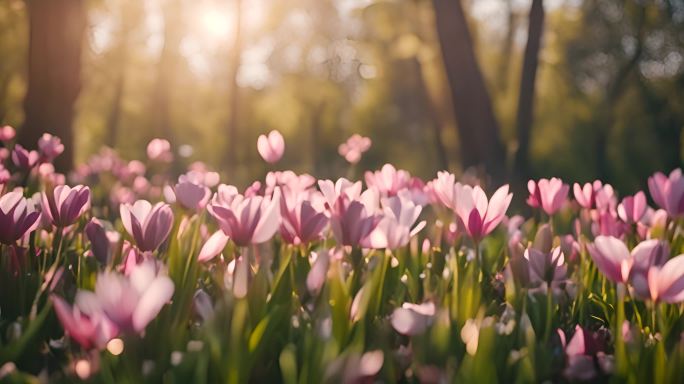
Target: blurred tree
528 78
234 89
477 126
56 31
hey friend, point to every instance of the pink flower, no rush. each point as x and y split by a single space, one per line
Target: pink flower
301 222
49 147
271 147
63 205
549 194
193 196
159 150
85 322
23 158
213 246
546 267
394 228
102 242
443 189
583 352
7 133
586 194
354 147
668 192
615 261
479 215
389 181
352 215
413 319
148 225
666 283
246 220
131 302
647 254
17 217
632 208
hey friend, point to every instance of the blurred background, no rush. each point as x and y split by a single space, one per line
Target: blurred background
580 89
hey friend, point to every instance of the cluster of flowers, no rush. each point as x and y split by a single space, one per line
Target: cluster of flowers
338 222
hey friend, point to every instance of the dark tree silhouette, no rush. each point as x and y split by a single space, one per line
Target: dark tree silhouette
477 126
56 32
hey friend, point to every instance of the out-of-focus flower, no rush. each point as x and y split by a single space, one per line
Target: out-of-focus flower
7 133
148 225
354 148
412 319
213 246
666 283
632 208
301 222
394 230
668 191
586 194
549 194
319 270
271 147
202 305
63 205
479 215
647 254
131 302
389 181
611 257
85 322
49 147
546 267
191 195
23 158
583 353
102 241
352 215
159 150
17 217
289 183
442 189
246 220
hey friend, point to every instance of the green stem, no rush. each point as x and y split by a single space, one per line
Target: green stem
549 313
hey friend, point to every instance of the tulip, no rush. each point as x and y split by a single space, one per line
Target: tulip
389 181
85 322
246 220
148 225
666 283
549 194
7 133
442 189
413 319
352 215
546 267
318 273
668 191
23 158
49 147
131 302
191 195
647 254
354 147
586 194
271 147
102 242
63 205
582 352
159 150
394 228
301 222
17 217
633 208
213 246
478 215
612 258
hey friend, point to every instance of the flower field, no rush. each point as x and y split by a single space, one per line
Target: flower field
122 272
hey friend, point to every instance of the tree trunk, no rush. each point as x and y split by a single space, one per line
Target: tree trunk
528 78
56 31
503 70
477 127
231 158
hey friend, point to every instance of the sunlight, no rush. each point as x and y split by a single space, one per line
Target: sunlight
215 23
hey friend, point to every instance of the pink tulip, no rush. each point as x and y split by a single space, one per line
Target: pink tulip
666 283
583 352
389 181
192 196
318 273
102 242
213 246
668 192
632 208
148 225
354 148
271 147
7 133
23 158
413 319
63 205
17 217
479 215
352 215
442 190
605 198
246 220
131 302
159 150
49 147
586 194
301 222
612 258
85 322
288 182
647 254
549 194
546 267
394 230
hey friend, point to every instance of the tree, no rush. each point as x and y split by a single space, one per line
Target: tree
56 32
477 126
527 85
